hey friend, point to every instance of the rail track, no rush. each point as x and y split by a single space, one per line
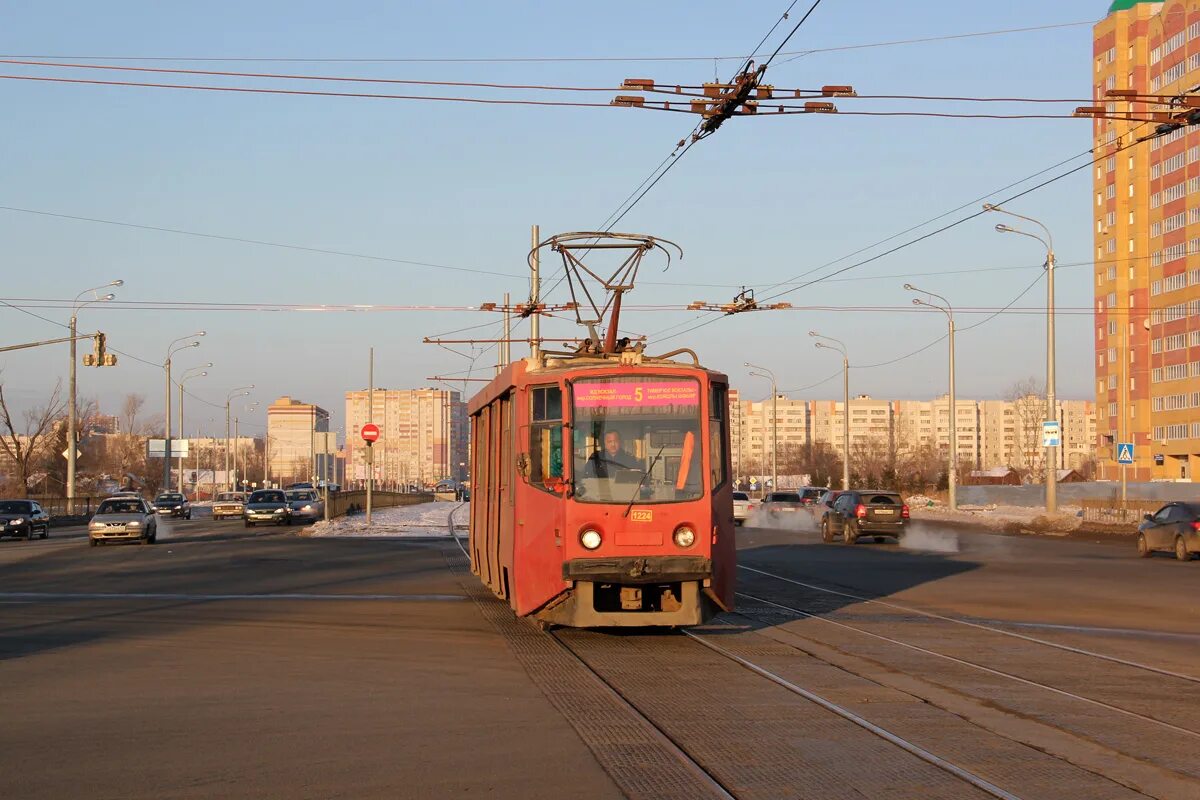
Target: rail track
706 774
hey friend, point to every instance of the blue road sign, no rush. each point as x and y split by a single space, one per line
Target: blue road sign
1125 453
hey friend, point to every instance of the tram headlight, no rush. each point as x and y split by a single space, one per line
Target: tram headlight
590 538
684 536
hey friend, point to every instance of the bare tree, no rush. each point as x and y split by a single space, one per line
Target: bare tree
1029 411
24 445
920 468
871 463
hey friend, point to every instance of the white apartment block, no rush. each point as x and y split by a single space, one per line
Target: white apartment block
423 436
294 440
989 433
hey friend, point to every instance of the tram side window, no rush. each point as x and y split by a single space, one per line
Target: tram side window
718 413
546 439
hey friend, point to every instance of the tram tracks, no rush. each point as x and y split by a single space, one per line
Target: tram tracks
1148 753
569 644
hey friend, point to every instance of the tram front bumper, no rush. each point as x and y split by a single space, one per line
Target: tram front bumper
638 569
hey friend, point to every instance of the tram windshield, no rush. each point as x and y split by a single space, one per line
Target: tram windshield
637 439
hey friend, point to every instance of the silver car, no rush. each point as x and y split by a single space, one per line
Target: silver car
742 508
306 504
229 504
123 519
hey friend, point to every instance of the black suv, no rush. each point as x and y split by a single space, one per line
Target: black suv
865 513
173 504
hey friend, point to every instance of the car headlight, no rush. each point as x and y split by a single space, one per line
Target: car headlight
590 538
178 507
96 524
684 536
307 508
279 510
133 524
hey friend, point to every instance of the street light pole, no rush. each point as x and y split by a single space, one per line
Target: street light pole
838 345
171 350
186 376
948 310
1051 399
769 375
72 412
241 391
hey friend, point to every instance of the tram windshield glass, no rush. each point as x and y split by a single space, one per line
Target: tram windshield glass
637 439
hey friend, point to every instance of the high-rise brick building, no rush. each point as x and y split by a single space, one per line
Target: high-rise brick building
1147 235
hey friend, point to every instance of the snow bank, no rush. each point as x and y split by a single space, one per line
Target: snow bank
422 519
1012 518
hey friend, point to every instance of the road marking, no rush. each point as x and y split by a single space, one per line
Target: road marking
26 596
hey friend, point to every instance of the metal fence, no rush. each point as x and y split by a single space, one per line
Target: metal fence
341 503
1114 512
57 506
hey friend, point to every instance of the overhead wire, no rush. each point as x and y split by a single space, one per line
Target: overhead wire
247 240
792 55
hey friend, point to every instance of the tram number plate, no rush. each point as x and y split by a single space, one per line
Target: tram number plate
641 516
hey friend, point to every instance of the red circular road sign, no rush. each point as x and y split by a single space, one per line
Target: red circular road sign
370 432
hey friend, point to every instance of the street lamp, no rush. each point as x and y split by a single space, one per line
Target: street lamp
1051 402
72 413
237 446
829 343
948 310
241 391
181 343
187 375
769 375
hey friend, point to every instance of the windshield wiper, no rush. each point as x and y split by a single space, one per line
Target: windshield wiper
642 482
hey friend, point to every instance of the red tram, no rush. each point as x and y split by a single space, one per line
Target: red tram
602 493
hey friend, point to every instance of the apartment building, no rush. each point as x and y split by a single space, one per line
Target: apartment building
989 433
296 433
423 436
1147 237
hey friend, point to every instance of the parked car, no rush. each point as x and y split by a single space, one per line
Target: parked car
173 504
865 513
123 519
229 504
23 518
781 504
305 504
267 505
1174 528
743 506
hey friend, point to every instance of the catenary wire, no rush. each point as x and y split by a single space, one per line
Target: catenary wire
558 59
259 242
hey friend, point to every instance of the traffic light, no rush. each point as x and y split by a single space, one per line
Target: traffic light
99 358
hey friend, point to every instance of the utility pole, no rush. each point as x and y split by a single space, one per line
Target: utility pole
73 402
952 468
370 418
1051 399
829 343
769 375
535 297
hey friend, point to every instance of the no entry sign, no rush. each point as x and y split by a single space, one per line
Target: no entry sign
370 432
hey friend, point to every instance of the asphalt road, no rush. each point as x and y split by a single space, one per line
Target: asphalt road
223 662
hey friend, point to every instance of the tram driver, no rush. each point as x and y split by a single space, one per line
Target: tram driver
602 463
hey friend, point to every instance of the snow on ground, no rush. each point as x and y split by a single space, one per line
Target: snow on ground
998 517
422 519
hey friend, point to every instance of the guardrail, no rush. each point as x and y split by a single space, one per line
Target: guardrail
341 503
57 506
1114 512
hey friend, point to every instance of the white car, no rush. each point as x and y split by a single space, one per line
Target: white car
743 507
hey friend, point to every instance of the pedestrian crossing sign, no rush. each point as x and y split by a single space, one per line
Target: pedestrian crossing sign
1125 453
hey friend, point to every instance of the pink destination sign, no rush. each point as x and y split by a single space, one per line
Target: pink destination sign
637 395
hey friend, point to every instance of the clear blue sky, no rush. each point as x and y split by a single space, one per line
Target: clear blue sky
763 200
